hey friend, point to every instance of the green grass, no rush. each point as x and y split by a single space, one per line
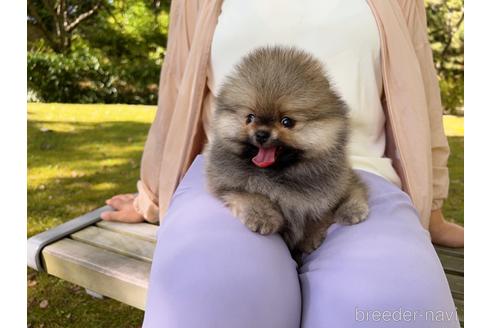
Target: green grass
454 206
79 155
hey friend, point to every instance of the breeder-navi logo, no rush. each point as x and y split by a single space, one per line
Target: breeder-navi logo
404 315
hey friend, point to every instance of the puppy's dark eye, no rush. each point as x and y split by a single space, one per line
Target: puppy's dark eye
250 118
287 122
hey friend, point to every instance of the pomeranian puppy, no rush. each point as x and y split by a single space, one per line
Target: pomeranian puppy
277 156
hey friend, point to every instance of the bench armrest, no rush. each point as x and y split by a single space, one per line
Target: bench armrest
36 243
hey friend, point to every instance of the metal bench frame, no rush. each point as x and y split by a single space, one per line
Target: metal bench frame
36 243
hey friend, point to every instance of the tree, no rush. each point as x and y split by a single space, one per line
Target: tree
56 20
114 55
446 34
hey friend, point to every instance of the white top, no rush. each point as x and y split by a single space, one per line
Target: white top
342 34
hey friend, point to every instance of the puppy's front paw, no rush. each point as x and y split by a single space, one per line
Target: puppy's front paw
255 212
351 212
263 222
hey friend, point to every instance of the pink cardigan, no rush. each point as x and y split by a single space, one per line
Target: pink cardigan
415 136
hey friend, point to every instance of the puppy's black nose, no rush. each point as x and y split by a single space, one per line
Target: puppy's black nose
262 136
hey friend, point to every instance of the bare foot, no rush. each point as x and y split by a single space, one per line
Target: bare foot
124 211
445 233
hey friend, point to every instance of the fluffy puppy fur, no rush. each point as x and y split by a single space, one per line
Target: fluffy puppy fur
277 156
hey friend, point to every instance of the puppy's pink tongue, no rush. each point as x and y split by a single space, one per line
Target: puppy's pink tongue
265 157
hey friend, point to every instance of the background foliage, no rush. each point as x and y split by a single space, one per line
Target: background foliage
114 55
110 51
446 33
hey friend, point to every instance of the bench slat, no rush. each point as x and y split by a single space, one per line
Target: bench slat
144 231
456 284
120 243
460 305
452 264
456 252
120 277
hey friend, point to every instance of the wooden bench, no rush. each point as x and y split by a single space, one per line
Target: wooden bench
113 259
452 260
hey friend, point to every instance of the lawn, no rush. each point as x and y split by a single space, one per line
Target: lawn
79 155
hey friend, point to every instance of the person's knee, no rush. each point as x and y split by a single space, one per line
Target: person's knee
416 297
208 281
401 284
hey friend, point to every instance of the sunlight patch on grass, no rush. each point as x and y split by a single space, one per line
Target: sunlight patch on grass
90 113
454 125
103 186
76 169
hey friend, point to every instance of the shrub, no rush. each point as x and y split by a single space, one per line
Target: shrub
85 76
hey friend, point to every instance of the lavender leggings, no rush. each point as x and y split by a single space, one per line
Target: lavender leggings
211 271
